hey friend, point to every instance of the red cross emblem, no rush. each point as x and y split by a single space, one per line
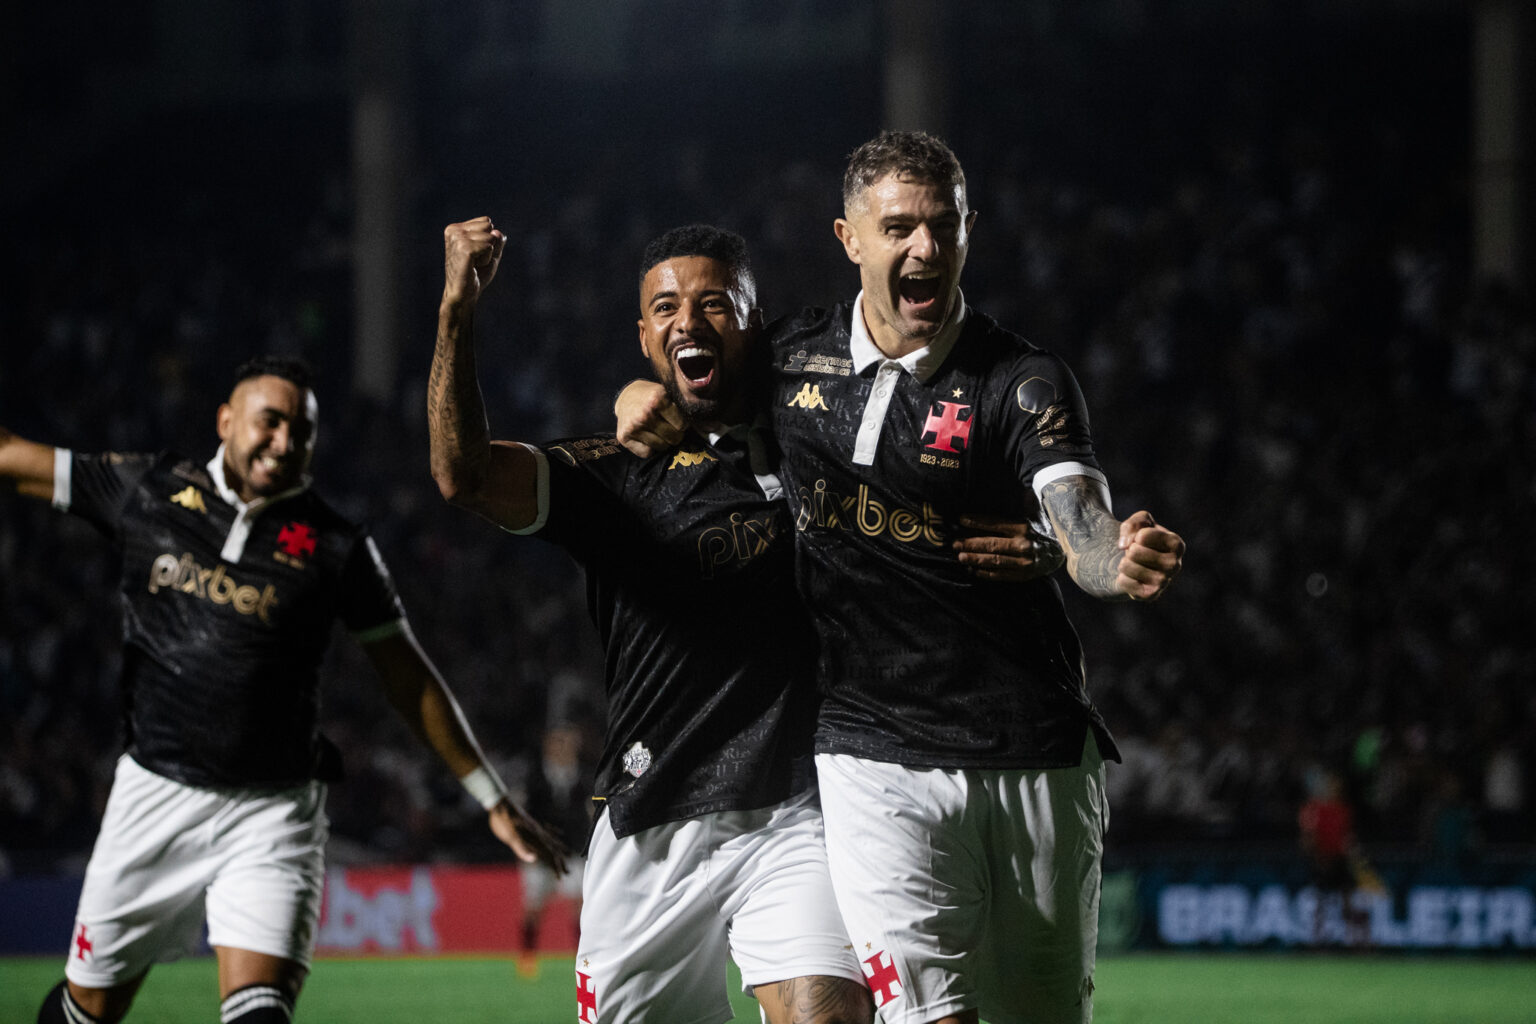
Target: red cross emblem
883 979
297 539
82 944
948 426
586 999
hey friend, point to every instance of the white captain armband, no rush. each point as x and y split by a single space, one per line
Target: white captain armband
485 786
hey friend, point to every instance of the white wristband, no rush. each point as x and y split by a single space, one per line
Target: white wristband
484 786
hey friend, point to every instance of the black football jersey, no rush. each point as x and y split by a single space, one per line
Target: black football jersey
226 616
709 656
921 663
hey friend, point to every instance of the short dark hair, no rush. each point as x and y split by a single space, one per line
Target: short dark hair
290 368
916 155
706 240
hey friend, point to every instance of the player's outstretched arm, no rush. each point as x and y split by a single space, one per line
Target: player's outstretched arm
417 692
1134 560
27 464
648 422
498 481
1005 550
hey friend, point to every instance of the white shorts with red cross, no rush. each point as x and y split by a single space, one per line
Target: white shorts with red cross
664 908
169 855
969 889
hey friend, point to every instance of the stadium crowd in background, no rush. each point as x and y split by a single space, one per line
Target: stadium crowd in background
1344 420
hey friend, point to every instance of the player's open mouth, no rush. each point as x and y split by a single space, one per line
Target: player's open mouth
695 364
271 465
921 289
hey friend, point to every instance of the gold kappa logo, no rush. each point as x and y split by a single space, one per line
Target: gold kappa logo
687 458
808 397
190 497
186 576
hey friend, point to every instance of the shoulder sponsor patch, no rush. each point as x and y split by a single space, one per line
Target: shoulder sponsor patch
586 449
1036 395
804 362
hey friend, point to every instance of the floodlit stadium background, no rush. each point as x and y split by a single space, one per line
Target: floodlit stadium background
1286 246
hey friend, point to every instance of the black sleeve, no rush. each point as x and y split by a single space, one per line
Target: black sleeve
100 485
588 478
1045 418
368 595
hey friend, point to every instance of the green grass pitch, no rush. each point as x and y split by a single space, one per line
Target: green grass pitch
1132 989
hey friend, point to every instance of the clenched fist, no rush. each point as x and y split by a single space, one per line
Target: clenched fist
471 253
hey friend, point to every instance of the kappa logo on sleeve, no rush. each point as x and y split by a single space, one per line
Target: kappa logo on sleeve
84 948
190 498
683 458
808 397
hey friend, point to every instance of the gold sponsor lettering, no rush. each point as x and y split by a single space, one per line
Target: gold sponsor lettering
808 397
185 576
587 449
821 508
740 542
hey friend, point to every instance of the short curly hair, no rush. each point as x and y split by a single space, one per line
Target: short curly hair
707 240
915 155
290 368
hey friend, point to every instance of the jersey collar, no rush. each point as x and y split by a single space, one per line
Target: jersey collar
922 363
216 471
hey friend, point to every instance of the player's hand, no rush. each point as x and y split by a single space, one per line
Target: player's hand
1006 551
1151 557
471 253
648 422
527 838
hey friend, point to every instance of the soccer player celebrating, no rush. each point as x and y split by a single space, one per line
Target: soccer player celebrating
707 841
959 756
233 574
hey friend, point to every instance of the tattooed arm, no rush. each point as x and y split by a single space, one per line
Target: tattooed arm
496 479
1133 560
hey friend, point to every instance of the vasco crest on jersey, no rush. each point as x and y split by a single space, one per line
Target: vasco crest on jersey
946 431
296 542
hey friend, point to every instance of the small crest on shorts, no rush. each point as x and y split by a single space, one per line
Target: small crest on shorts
84 949
882 978
637 759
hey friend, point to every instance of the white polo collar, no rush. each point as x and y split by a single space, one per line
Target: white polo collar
240 529
922 363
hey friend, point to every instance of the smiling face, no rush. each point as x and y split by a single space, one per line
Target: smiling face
697 326
268 430
909 238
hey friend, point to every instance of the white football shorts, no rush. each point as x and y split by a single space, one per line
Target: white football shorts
252 861
662 910
969 888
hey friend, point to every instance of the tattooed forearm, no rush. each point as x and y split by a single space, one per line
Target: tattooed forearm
1088 532
460 437
816 999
